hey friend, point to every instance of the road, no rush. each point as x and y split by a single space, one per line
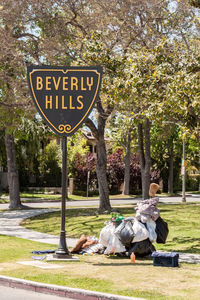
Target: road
95 203
8 293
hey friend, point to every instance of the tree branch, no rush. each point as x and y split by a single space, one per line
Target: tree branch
13 105
90 124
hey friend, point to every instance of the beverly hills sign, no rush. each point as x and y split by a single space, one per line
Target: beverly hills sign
64 96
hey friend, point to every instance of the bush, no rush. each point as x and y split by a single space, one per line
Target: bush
81 165
50 165
115 172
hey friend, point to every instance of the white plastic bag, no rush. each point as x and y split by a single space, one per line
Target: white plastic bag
106 233
114 245
108 239
151 226
141 233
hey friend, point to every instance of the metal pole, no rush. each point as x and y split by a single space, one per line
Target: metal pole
183 174
62 247
88 178
66 168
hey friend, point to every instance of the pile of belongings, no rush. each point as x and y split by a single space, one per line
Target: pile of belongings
136 234
126 235
88 245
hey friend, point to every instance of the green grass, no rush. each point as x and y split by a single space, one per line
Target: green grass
182 219
104 274
31 197
13 249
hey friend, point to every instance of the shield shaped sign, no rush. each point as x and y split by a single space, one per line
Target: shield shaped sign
64 96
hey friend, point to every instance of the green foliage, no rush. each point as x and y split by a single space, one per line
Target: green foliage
166 141
84 170
161 82
30 135
122 129
76 144
50 165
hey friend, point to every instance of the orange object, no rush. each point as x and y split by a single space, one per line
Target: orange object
132 258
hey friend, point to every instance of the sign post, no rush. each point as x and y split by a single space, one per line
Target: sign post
62 247
64 98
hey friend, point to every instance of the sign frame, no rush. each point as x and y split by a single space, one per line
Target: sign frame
61 127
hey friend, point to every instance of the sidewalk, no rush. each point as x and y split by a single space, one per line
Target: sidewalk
10 225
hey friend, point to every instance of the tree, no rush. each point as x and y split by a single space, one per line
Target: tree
76 144
55 32
13 101
139 80
31 136
166 149
97 53
145 25
23 34
123 132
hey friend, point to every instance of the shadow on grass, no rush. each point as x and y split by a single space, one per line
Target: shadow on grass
112 261
122 264
194 248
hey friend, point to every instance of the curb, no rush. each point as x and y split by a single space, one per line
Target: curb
58 290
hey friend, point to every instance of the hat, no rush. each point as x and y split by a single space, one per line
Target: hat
153 189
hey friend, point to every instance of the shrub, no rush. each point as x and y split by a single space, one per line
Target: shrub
81 165
50 165
115 171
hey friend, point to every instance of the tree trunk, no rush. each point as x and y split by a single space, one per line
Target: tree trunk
127 167
199 171
104 203
145 157
98 132
13 178
199 180
171 170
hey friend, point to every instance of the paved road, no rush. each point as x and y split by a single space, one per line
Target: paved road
8 293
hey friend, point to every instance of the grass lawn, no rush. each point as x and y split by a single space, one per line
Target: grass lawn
182 219
29 196
104 274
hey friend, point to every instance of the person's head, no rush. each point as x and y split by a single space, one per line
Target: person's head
154 187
